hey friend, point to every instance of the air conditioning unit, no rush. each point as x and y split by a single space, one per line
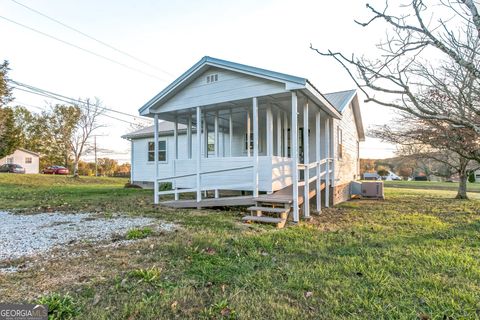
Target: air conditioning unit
372 189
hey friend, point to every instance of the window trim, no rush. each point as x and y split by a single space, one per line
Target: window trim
148 151
28 160
339 142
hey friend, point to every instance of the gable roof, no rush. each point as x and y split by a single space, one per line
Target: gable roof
291 83
341 99
28 151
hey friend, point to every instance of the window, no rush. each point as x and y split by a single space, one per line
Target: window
28 160
9 160
340 142
211 143
212 78
249 140
162 151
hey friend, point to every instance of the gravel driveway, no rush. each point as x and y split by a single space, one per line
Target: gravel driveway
26 235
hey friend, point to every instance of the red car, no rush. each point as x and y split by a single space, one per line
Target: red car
56 170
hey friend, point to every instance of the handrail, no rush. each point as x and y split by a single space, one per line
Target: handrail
204 172
311 165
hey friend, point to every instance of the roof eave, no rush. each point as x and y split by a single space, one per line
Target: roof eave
329 108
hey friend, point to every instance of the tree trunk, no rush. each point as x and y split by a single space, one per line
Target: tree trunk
463 175
75 168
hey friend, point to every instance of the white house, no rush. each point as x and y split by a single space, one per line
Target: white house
27 159
262 132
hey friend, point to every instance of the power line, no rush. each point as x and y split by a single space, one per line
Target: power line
79 103
54 95
81 48
91 37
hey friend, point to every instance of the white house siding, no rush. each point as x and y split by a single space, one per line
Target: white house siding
346 168
19 157
230 86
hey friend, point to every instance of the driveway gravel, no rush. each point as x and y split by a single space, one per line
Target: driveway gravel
27 235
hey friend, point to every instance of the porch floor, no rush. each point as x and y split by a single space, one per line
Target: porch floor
284 195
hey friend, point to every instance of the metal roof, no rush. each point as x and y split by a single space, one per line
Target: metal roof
341 99
165 128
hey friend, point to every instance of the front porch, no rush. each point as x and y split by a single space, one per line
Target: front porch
257 145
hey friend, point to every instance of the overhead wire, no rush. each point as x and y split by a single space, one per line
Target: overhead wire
82 49
91 37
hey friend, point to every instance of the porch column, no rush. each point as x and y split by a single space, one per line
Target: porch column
269 130
333 153
306 161
217 144
175 156
279 134
205 135
294 155
217 136
317 158
189 137
199 155
230 133
327 163
255 146
248 133
155 158
285 135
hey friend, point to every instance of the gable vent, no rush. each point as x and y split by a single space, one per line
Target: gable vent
212 78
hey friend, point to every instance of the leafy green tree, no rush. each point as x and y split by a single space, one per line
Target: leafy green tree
8 130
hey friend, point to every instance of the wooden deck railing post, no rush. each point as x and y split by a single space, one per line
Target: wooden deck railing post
294 155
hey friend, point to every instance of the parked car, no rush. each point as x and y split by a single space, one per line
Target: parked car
56 170
12 168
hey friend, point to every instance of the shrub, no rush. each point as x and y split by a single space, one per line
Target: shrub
138 233
59 306
471 177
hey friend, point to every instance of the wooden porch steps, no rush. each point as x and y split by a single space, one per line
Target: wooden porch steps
279 222
269 209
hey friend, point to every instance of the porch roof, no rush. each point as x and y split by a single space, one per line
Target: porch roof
291 83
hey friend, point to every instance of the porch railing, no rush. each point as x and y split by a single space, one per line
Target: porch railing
177 191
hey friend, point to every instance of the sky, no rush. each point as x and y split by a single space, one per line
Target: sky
170 36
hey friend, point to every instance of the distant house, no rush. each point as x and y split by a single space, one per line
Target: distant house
27 159
477 176
391 176
232 127
371 176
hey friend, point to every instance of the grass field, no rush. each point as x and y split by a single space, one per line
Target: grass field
414 255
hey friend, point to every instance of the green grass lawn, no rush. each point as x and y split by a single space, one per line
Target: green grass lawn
471 187
414 255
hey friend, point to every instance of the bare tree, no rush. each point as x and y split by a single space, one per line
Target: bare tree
457 148
434 46
88 122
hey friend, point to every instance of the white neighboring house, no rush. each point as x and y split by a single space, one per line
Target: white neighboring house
477 176
246 116
27 159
